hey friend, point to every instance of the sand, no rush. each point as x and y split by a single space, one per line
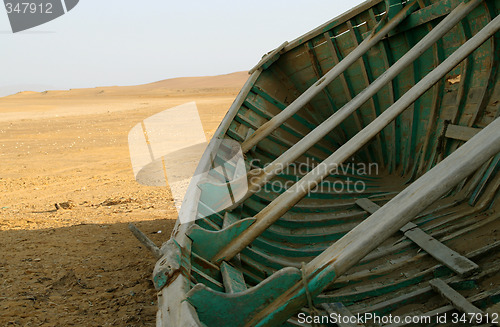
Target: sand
79 264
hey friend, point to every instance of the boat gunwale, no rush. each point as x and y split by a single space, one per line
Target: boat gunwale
332 23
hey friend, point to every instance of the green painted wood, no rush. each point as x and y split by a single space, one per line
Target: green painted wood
458 263
456 299
235 309
374 110
420 294
269 58
318 72
427 14
205 266
229 219
491 171
461 133
349 93
232 278
206 279
353 294
207 243
408 147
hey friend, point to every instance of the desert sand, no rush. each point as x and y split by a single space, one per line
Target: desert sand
76 263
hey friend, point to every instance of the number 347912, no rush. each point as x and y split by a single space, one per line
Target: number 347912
28 8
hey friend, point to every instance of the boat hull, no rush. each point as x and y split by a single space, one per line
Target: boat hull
215 273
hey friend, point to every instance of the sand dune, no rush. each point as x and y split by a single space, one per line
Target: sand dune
193 84
35 105
220 81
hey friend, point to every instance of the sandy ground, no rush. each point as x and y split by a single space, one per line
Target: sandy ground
81 265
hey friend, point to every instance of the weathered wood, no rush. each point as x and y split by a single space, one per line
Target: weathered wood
425 292
455 298
425 15
224 309
294 194
229 219
447 309
204 278
172 309
265 256
332 23
268 58
145 241
453 260
332 122
461 133
374 230
340 310
367 205
232 279
324 81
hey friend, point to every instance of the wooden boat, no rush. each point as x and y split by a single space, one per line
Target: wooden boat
409 90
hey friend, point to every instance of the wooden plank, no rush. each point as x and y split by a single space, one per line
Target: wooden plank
346 252
453 260
367 205
145 241
232 278
316 66
331 75
340 310
426 15
229 219
447 309
332 23
268 58
202 277
461 133
366 73
330 41
426 292
455 298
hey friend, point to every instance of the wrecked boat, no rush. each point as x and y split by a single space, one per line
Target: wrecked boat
365 189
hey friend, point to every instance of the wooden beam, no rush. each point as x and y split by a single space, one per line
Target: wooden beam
232 279
461 133
455 298
145 241
229 219
453 260
268 58
337 21
367 205
346 252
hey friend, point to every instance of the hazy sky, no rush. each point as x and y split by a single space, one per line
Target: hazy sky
125 42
